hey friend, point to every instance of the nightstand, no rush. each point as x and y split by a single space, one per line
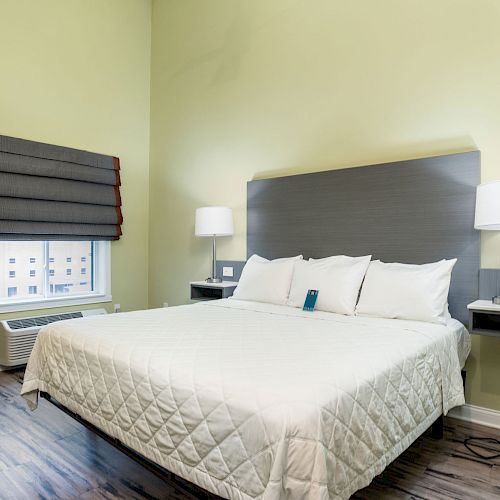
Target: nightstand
201 290
484 318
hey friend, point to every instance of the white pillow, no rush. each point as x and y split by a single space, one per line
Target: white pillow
267 281
258 258
406 291
337 279
345 258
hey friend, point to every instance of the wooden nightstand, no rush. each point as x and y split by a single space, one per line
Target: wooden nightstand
201 290
484 318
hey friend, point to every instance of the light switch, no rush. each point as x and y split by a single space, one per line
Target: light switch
227 272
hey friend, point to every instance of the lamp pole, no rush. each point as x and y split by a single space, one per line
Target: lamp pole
214 278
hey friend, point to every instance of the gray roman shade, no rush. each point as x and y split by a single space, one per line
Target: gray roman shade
55 193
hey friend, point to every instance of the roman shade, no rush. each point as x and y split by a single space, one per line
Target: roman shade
56 193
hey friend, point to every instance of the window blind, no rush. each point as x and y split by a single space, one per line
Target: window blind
51 192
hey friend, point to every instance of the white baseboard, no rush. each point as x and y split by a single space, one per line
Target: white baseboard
477 415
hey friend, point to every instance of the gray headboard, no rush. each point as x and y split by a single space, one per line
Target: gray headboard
412 211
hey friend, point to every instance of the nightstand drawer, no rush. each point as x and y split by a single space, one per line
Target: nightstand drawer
201 293
485 323
484 318
200 290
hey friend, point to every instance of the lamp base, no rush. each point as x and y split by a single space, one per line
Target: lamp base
214 280
496 300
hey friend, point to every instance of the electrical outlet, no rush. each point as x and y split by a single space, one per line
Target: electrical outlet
165 304
117 308
227 272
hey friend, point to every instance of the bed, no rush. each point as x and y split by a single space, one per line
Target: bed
252 400
257 401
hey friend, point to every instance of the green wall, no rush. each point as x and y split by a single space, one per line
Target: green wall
244 89
77 73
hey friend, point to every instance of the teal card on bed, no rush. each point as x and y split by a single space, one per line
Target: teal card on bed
310 302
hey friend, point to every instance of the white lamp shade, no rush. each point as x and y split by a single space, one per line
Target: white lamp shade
488 206
214 221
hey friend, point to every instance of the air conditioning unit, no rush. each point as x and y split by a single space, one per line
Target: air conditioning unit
17 336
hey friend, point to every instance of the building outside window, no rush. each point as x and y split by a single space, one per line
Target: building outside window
27 278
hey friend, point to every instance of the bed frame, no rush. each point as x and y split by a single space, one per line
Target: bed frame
413 211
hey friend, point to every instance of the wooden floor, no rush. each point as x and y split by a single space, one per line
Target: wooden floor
46 454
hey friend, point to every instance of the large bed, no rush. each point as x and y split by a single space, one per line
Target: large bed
252 400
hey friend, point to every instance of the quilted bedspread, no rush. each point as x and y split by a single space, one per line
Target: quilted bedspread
252 400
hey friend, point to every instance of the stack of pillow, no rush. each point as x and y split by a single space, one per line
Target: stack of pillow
351 285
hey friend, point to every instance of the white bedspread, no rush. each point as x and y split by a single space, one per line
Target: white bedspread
252 400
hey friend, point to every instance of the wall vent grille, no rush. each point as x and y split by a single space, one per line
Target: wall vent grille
39 321
19 348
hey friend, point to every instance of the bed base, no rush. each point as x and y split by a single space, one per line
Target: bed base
189 489
437 428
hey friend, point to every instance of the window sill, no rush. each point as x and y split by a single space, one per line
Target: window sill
33 305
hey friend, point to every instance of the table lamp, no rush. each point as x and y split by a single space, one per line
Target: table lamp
214 221
488 211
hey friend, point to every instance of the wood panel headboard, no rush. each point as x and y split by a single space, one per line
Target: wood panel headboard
412 211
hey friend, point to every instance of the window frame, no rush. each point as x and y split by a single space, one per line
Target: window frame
101 292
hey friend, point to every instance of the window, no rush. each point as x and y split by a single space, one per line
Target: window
12 260
42 275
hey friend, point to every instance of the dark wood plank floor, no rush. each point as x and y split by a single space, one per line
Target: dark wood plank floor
46 454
